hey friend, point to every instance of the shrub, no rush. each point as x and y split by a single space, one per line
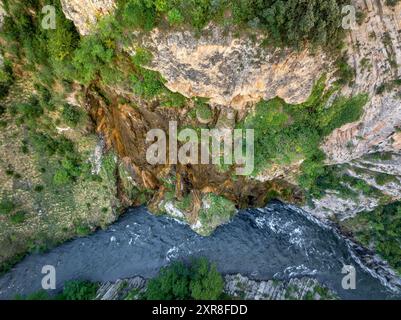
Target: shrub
6 79
392 3
18 217
61 177
82 230
39 188
345 73
278 141
172 99
24 147
38 295
79 290
91 57
142 57
206 282
63 40
383 179
6 206
341 112
149 84
220 210
179 281
71 115
285 134
139 14
291 22
44 143
381 229
30 110
48 52
174 17
72 290
203 111
2 110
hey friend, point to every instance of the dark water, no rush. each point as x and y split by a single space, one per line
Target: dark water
276 242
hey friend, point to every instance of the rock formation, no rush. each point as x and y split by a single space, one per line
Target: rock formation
233 71
237 286
374 51
86 13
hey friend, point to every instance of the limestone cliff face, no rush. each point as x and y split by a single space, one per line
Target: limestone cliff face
235 72
232 71
85 13
374 51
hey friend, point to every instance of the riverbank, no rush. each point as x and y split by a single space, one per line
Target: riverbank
235 286
276 242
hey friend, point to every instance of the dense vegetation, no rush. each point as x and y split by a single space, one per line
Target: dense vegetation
286 22
380 229
218 211
335 178
200 281
6 79
60 53
47 52
285 134
58 58
40 63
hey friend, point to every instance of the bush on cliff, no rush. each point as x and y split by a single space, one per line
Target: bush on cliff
380 229
286 134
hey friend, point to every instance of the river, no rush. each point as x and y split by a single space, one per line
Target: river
278 242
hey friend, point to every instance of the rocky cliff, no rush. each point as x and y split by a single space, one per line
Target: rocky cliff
236 286
234 71
85 14
327 117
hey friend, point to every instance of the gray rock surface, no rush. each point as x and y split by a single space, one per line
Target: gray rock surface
120 289
237 286
296 289
85 13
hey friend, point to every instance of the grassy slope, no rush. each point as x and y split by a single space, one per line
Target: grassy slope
42 213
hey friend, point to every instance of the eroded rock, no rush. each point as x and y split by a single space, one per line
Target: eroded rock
232 71
86 13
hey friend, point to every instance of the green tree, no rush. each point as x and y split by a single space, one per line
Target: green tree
78 290
206 282
179 281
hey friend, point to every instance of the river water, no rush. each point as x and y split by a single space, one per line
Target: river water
278 242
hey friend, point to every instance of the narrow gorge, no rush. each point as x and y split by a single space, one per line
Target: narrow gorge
317 82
